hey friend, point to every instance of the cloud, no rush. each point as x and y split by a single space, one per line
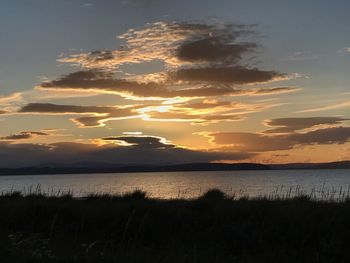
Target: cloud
344 50
194 119
38 94
194 111
95 80
100 114
99 81
87 5
204 111
71 109
200 60
98 121
176 43
300 56
257 142
340 105
227 75
288 125
5 99
23 135
142 151
142 141
273 90
337 135
250 142
211 48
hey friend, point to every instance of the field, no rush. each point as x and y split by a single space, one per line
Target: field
134 228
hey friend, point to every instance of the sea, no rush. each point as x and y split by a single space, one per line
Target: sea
319 184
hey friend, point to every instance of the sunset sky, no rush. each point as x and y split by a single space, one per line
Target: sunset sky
159 82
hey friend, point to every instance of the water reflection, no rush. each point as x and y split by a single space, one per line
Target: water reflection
187 184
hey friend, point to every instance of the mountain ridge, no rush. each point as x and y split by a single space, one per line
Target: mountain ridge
110 168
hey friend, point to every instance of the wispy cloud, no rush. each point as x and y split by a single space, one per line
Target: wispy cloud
176 43
98 115
24 135
186 83
5 99
86 5
258 142
300 56
340 105
193 111
344 50
289 125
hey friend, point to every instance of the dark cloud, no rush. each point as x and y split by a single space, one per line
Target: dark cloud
23 135
100 121
102 113
194 54
95 80
213 49
176 43
336 135
287 125
226 75
68 109
90 121
255 142
275 90
100 81
99 115
144 151
142 141
196 111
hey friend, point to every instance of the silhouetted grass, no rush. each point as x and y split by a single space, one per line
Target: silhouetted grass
134 228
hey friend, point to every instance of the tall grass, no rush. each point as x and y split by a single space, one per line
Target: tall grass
133 227
281 192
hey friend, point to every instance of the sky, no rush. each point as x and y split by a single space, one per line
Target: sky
163 82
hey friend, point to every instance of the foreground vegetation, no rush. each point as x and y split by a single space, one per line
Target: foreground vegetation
133 228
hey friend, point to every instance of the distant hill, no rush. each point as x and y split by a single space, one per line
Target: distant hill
334 165
331 165
76 168
125 169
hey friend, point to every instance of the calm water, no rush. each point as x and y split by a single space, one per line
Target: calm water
187 184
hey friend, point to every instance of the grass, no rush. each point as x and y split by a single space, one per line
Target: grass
134 228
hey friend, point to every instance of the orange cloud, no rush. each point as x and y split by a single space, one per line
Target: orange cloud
257 142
